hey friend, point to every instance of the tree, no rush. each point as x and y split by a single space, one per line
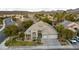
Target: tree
77 32
26 24
68 34
15 19
1 20
64 33
46 19
59 28
59 16
21 35
11 30
26 16
71 17
39 15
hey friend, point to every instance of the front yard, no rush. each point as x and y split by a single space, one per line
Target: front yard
14 42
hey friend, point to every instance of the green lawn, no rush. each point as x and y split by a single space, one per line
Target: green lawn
21 43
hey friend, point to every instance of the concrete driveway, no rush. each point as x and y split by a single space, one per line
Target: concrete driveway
51 42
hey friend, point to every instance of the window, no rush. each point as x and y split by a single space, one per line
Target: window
39 34
34 35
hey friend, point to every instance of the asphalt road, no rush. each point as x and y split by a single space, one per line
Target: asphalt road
2 36
76 46
7 22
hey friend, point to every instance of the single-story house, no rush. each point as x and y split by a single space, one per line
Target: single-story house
70 25
45 30
9 21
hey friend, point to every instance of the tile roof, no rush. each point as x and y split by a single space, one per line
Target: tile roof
44 27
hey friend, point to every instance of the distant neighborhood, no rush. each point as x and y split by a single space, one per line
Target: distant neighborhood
39 30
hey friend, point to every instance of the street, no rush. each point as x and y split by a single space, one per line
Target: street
76 46
6 22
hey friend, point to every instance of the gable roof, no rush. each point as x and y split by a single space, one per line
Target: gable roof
65 23
70 25
9 21
44 27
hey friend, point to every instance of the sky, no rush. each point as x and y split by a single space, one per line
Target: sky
37 5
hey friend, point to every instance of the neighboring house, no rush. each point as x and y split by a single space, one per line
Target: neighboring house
70 25
9 21
77 22
46 31
20 17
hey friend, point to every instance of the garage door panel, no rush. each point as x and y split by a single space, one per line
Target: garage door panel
44 37
52 36
49 36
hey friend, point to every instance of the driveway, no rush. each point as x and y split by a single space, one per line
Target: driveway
51 42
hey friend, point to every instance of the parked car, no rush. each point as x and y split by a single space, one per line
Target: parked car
73 41
77 38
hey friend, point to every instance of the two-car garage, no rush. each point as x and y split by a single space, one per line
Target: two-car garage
50 40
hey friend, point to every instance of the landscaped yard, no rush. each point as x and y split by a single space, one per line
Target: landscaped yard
64 34
13 42
63 42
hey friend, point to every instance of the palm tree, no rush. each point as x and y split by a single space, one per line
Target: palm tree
71 17
21 35
68 34
59 16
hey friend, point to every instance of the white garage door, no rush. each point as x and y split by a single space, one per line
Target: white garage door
49 36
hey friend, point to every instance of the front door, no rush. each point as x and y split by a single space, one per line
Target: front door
39 34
